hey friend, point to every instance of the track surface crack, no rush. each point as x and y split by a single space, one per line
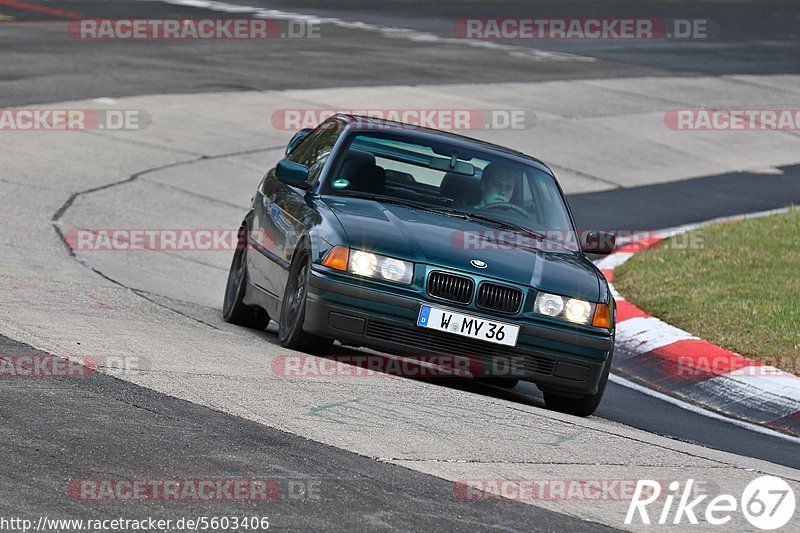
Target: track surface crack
55 221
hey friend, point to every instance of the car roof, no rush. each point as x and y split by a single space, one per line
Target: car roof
367 123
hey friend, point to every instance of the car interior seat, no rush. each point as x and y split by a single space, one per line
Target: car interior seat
464 190
364 175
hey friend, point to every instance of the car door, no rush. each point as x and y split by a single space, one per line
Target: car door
282 215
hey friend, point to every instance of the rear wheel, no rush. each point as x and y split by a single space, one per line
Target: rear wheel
293 310
233 308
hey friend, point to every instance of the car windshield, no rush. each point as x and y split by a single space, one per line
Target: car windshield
485 186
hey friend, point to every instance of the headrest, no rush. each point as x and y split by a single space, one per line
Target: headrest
464 190
364 175
399 178
357 157
493 170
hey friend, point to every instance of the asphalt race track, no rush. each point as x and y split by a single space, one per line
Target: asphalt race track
381 454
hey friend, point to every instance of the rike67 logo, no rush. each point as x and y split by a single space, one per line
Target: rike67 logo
767 503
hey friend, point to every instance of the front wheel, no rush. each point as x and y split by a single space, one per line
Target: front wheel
506 383
293 311
582 406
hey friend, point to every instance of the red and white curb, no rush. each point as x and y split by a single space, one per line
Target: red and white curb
675 362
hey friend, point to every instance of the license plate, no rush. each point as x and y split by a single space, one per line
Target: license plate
468 326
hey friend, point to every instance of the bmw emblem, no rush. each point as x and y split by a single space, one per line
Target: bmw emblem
477 263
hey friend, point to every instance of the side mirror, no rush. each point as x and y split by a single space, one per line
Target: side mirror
598 242
297 139
292 173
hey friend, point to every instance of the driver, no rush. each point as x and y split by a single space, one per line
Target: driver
497 185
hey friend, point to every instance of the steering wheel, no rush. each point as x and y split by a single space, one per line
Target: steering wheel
504 205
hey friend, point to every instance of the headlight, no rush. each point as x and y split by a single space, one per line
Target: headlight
549 304
363 264
395 270
577 311
571 309
370 265
380 267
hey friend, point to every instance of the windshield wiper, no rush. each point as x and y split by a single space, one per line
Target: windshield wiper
408 203
516 227
509 225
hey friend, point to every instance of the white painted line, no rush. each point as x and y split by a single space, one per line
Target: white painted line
771 380
700 411
762 370
392 33
757 405
613 261
767 170
617 296
644 334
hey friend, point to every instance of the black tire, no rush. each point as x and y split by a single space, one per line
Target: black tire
293 311
506 383
582 406
233 310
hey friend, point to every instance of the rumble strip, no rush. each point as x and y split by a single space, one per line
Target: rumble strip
674 362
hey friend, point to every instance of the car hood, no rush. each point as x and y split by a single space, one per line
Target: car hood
440 240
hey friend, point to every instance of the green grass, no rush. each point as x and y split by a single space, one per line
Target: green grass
735 284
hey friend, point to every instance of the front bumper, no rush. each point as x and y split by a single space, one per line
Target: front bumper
555 359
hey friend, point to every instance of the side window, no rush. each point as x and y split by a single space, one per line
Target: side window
315 149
